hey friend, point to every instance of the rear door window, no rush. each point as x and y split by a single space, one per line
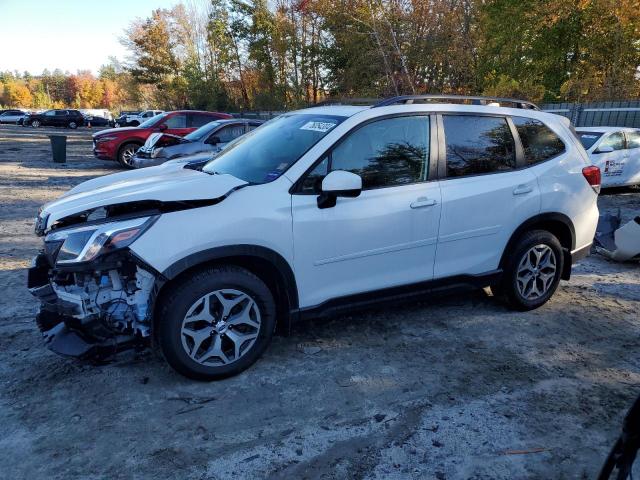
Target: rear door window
539 142
197 120
478 145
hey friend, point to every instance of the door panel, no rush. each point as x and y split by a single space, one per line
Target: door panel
484 198
612 164
632 176
479 214
374 241
386 236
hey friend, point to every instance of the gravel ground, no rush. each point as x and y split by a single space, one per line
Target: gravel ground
457 387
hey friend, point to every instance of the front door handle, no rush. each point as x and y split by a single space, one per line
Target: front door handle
423 202
522 189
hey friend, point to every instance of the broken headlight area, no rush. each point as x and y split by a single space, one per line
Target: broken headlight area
84 244
96 296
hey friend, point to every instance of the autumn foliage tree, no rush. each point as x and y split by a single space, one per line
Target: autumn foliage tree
279 54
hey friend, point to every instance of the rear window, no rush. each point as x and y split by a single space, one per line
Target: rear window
539 142
588 139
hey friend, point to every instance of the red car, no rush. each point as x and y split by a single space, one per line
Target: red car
122 143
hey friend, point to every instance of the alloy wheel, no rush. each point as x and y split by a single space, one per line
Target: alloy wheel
536 272
35 123
220 327
127 154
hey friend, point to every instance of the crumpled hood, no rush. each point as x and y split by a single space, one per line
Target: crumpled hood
165 183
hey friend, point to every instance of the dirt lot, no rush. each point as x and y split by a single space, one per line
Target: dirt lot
447 389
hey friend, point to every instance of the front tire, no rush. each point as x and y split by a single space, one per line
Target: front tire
217 323
532 271
73 125
126 154
35 123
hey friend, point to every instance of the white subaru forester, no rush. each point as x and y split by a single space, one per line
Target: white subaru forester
316 211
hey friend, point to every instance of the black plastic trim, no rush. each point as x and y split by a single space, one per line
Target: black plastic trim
396 294
242 250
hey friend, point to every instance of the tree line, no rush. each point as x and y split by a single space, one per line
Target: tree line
253 54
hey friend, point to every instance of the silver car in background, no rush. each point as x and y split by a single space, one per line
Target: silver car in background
13 116
210 138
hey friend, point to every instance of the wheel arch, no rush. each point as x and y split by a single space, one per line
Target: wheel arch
263 262
556 223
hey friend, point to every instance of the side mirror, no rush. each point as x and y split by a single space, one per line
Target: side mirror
214 141
604 149
339 183
163 127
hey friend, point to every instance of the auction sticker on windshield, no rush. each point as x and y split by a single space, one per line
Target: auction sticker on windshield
318 126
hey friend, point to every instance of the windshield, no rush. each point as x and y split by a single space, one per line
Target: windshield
588 139
202 132
264 154
152 121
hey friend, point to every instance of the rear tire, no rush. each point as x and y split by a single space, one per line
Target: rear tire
532 271
216 323
35 123
73 125
126 153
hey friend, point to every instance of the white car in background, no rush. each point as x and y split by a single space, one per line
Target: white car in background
13 116
135 120
616 150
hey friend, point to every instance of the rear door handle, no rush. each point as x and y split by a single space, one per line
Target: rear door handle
423 202
522 189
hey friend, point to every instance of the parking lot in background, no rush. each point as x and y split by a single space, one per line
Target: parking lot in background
454 387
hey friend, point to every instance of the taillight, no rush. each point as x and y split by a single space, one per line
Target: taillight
592 174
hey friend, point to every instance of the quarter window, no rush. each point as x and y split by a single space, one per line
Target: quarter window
477 145
633 139
539 142
387 152
615 141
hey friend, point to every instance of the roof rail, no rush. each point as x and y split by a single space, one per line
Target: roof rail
409 99
345 101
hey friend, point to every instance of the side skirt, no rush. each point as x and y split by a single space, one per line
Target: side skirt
361 301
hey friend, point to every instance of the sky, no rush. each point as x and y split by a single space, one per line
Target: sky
67 34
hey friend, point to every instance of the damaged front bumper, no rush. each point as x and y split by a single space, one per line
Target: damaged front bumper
96 309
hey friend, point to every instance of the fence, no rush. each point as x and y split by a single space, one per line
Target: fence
597 114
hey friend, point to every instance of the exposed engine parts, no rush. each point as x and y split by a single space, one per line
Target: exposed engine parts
118 298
